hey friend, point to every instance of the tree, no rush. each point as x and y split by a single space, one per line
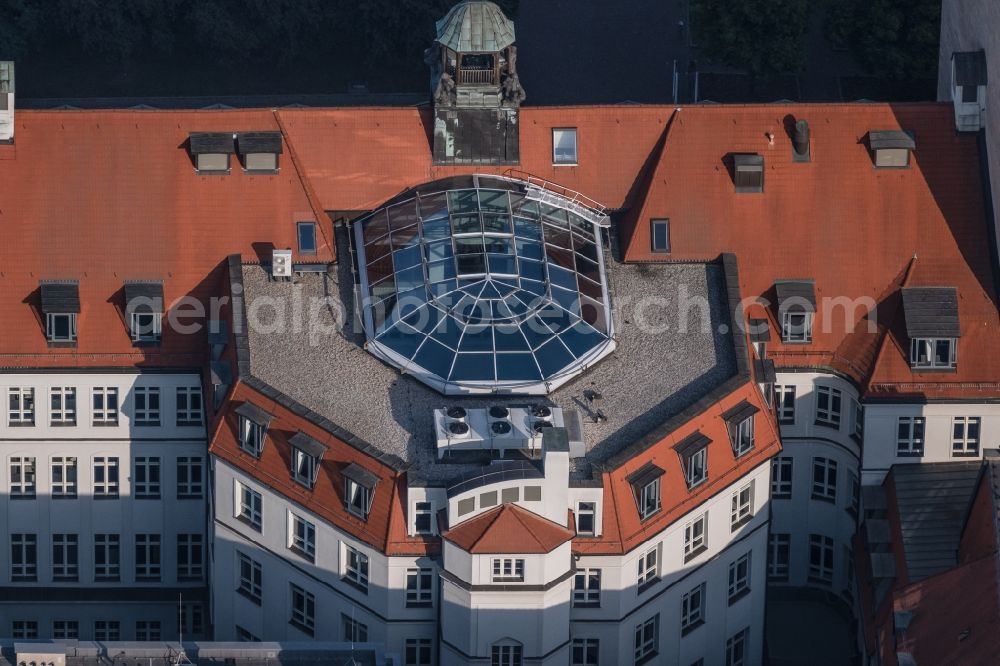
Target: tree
891 38
762 36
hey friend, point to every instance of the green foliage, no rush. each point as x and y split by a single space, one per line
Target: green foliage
891 38
762 36
18 22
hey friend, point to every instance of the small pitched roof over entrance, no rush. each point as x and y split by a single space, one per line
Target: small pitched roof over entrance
508 529
475 26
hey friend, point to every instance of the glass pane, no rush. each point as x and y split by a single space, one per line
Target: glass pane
552 357
407 237
439 250
376 226
503 264
492 201
526 228
403 259
464 201
509 338
517 367
403 215
477 338
473 367
441 270
465 224
435 358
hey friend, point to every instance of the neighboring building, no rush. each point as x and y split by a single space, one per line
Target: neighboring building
928 564
817 272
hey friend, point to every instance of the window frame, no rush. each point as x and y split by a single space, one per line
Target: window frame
358 498
249 578
694 543
737 647
421 593
647 640
782 477
932 347
63 470
146 327
146 485
911 445
779 544
107 557
693 614
691 466
23 477
303 250
23 557
148 557
648 569
821 570
356 568
418 652
58 320
304 467
824 479
655 224
190 556
189 487
585 652
739 578
507 570
797 334
65 557
105 407
21 406
302 607
62 406
106 477
965 445
252 435
742 511
423 509
301 536
353 630
830 415
586 510
250 506
148 413
586 588
564 161
189 411
649 499
784 403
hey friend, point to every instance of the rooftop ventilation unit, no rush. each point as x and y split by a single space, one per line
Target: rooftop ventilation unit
800 142
281 263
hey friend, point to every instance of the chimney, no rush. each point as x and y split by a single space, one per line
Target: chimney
6 101
800 142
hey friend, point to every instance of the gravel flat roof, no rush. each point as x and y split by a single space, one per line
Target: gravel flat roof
674 345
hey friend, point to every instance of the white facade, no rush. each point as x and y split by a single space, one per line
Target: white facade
815 481
59 563
469 610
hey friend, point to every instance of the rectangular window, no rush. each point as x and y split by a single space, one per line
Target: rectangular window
251 436
508 570
62 406
824 485
796 327
970 94
737 648
146 478
910 436
820 558
585 518
858 420
649 500
22 478
212 162
417 652
107 630
356 569
696 468
354 631
359 499
23 557
742 436
250 507
739 578
147 406
302 536
65 629
64 478
505 655
21 406
146 326
303 610
585 652
828 400
852 507
60 326
419 588
65 557
27 629
304 467
647 570
244 636
147 557
190 557
189 478
189 406
105 405
965 436
147 630
647 639
660 233
695 537
251 578
105 478
587 588
781 478
778 551
192 619
933 354
784 404
742 507
422 518
693 609
564 146
107 557
307 237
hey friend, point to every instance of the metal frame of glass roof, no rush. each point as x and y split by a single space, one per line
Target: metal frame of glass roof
478 284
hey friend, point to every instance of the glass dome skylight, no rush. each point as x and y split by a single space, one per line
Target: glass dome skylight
483 284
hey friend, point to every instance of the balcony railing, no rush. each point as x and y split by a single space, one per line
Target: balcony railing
474 76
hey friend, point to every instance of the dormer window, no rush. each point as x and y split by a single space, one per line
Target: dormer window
60 306
748 173
359 489
932 325
144 308
253 428
211 151
645 483
968 89
796 307
693 451
891 148
259 151
739 423
306 455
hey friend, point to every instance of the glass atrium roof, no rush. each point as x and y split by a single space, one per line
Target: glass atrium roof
483 284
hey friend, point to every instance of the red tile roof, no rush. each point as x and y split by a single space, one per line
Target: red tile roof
108 196
508 529
837 219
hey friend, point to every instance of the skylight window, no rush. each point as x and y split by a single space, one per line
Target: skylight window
483 287
564 146
307 237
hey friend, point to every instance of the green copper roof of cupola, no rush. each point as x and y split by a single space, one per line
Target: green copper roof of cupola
475 26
